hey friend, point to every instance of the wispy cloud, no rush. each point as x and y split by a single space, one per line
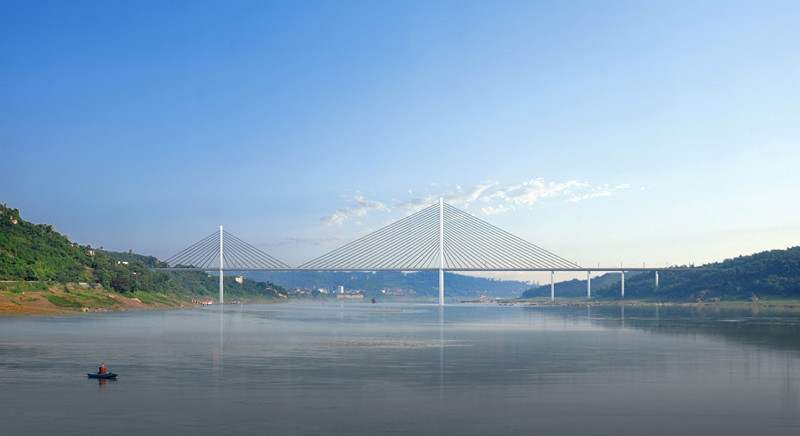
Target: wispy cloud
458 196
492 197
529 192
361 208
291 241
490 210
532 191
588 195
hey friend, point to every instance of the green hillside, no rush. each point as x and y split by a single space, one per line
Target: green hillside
771 274
37 253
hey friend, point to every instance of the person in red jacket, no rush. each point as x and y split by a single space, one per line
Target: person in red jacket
102 369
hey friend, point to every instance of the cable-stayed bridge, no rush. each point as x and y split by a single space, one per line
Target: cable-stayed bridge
438 237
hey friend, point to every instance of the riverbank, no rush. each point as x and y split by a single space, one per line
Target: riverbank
791 304
39 298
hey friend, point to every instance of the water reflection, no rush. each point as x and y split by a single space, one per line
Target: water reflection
441 352
378 369
790 393
221 339
774 328
657 317
101 383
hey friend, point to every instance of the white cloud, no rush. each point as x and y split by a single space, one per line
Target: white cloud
489 210
494 197
415 202
303 241
601 193
458 196
361 208
531 191
467 195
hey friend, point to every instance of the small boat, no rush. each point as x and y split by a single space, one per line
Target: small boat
106 375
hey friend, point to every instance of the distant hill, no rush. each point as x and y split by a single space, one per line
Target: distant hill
769 274
423 283
37 253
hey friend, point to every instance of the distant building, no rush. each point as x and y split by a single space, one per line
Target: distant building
239 279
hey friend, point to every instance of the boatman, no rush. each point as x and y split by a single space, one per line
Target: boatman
102 369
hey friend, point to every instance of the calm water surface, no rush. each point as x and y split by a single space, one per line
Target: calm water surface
364 369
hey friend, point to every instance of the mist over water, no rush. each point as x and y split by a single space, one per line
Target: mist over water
364 369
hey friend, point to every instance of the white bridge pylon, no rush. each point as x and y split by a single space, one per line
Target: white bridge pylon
439 237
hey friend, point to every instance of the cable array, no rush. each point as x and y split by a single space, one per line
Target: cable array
237 255
413 244
473 244
409 244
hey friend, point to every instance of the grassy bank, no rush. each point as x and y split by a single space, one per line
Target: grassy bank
35 297
40 297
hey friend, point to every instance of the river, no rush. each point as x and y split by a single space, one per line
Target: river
375 369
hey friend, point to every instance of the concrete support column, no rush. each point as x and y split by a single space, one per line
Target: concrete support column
441 287
552 286
656 279
622 283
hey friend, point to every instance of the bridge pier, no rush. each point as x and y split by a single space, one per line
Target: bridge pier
441 287
622 283
552 286
656 279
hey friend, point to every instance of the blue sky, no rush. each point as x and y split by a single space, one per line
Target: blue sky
606 132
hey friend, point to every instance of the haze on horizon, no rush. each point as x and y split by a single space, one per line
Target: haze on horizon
617 133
